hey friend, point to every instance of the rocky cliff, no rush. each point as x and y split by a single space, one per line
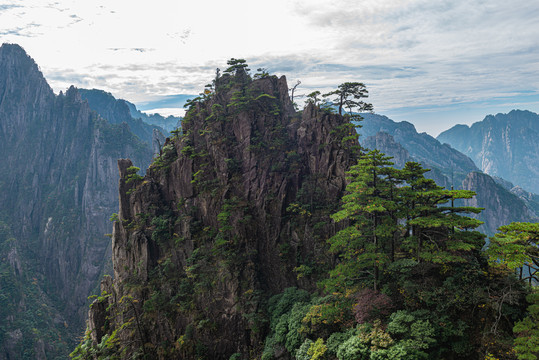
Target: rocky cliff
387 144
530 199
56 195
233 211
503 145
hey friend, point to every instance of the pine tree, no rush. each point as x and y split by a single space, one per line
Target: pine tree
527 330
436 230
391 213
349 95
369 207
516 246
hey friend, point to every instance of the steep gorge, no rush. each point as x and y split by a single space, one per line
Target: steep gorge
57 193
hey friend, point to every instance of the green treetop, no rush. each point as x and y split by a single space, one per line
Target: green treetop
237 66
516 246
349 95
436 230
369 207
397 213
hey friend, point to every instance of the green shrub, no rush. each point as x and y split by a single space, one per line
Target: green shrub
337 339
353 349
302 353
317 350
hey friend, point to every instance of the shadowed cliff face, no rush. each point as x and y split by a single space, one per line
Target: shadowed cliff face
56 195
223 220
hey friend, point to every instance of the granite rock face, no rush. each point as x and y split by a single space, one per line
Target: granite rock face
57 193
387 144
503 145
223 219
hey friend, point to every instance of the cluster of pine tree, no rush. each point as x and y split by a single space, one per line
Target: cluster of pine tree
411 279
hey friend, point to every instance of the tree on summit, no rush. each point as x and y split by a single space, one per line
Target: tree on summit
314 98
237 66
349 95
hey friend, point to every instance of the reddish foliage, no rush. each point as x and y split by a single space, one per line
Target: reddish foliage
372 305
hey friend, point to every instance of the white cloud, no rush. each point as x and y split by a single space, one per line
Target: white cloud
166 111
419 53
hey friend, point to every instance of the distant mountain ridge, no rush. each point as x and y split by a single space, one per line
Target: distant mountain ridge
504 145
117 111
450 167
168 123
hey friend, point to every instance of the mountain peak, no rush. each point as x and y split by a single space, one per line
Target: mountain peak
73 93
18 71
13 55
15 49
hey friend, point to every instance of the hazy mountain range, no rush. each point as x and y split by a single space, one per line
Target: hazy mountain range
56 196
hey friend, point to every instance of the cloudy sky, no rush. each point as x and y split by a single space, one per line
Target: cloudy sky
432 63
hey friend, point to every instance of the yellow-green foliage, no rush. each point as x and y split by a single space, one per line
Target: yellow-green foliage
377 338
317 350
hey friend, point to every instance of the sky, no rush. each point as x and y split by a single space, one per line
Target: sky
432 63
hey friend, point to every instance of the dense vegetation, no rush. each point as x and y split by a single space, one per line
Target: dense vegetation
403 276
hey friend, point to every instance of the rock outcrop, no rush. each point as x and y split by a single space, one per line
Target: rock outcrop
530 199
231 213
